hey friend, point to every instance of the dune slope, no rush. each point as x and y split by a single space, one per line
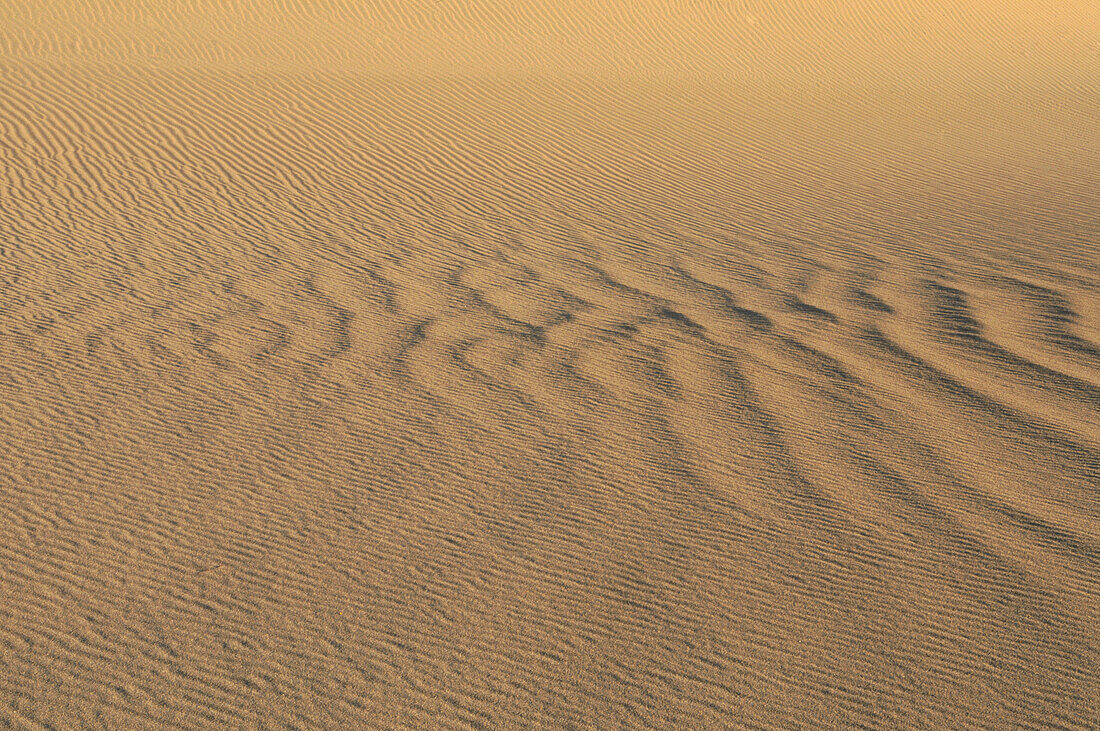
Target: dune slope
358 394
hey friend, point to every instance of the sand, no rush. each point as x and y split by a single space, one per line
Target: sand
553 365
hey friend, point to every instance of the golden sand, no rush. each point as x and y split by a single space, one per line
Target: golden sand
689 364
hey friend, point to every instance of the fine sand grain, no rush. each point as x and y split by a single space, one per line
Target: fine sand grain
686 364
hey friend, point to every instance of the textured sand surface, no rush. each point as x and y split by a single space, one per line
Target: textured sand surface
559 365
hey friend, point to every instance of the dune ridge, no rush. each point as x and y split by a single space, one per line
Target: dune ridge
343 398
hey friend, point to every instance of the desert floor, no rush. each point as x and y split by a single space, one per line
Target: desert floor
558 365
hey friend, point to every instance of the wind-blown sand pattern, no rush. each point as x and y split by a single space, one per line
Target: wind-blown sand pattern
572 365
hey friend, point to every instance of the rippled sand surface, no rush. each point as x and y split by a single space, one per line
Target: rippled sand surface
572 365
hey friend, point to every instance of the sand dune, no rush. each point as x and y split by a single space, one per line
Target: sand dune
344 391
825 41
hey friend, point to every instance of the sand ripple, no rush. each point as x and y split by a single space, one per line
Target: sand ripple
342 403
